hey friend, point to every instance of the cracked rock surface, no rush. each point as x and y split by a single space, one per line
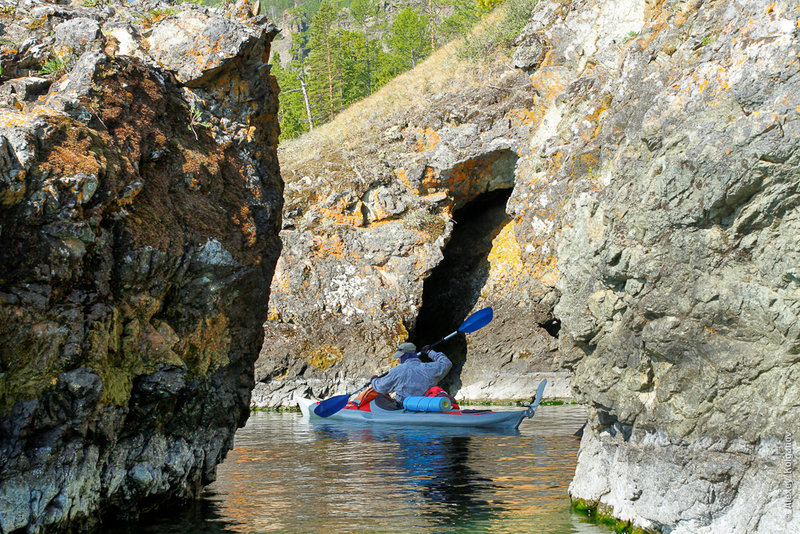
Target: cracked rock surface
139 216
674 143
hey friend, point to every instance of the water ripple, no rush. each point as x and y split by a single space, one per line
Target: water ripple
288 475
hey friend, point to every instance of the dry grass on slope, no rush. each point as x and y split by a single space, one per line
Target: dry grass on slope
409 93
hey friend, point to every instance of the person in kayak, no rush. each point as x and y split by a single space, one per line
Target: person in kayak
413 377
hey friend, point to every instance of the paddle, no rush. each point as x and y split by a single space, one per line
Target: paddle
536 400
474 322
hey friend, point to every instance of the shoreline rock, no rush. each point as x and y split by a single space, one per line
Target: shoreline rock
678 266
139 213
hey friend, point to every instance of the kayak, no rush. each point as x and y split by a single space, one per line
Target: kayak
385 411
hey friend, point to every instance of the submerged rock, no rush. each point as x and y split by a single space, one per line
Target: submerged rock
139 222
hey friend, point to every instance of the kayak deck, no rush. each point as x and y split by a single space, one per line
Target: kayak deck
455 418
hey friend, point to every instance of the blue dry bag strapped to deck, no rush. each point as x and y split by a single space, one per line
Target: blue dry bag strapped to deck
427 404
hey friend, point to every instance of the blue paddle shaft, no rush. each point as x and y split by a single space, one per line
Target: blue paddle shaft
476 321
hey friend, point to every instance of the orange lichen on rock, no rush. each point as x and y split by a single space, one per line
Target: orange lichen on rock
428 140
402 175
464 179
354 218
244 220
594 118
590 160
326 246
519 117
430 179
548 83
555 160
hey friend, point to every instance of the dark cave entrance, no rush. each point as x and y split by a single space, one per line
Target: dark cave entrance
454 286
552 327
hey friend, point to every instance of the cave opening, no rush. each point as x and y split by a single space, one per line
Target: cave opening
552 327
454 286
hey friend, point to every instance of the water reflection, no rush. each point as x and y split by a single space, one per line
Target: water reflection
456 488
289 475
202 517
431 465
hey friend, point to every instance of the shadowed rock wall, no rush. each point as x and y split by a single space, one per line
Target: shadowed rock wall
139 208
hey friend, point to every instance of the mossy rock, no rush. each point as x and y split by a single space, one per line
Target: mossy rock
603 516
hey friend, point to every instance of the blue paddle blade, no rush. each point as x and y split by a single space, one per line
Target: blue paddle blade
476 321
330 406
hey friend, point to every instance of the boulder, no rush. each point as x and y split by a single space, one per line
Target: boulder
77 35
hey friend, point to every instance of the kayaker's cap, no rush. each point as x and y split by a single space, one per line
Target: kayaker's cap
405 348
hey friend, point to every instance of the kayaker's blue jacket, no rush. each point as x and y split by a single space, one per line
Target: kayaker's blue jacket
414 378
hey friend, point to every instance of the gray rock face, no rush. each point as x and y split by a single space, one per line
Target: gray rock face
669 139
191 43
138 246
530 51
77 35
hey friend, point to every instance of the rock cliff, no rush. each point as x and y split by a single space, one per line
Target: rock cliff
395 228
140 204
678 259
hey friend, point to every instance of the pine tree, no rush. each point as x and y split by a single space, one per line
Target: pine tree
408 39
365 12
464 15
432 10
332 67
299 51
322 63
291 109
352 67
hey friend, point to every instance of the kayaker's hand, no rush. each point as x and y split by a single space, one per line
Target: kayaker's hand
373 378
426 349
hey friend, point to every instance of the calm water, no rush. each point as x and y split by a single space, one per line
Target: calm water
289 475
